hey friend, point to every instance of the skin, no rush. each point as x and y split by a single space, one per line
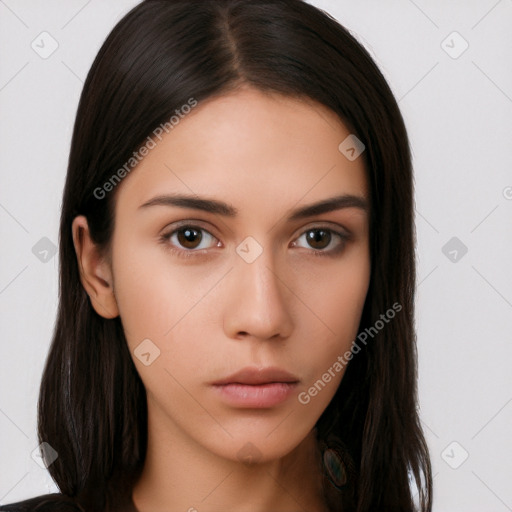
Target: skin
214 313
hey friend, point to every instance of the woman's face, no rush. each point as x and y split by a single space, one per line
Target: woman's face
235 277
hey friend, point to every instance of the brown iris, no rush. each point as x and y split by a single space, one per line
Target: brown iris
189 237
318 236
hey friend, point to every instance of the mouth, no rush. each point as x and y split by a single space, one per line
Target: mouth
256 387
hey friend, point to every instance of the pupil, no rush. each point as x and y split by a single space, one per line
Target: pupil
187 237
315 236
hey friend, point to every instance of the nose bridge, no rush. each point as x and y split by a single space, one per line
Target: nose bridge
258 301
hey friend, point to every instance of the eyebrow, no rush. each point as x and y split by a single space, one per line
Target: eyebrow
218 207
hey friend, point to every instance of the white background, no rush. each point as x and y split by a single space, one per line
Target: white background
459 115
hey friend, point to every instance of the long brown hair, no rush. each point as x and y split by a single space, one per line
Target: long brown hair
92 406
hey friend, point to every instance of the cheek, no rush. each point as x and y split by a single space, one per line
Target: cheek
143 294
336 294
151 293
165 303
335 302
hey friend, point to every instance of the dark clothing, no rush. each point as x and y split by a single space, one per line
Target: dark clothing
59 503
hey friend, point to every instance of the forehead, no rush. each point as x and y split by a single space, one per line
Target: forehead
249 148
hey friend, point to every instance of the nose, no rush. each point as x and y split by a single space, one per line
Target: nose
258 303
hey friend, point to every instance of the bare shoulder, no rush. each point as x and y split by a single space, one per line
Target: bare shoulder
45 503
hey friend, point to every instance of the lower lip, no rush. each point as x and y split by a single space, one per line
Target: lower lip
256 396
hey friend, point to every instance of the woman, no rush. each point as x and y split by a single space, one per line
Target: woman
235 326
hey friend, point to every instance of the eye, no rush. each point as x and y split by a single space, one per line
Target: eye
323 240
189 238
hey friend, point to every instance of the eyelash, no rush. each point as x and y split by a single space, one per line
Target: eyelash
188 253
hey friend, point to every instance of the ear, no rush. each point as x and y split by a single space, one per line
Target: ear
95 272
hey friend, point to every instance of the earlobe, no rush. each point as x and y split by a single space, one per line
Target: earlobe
95 272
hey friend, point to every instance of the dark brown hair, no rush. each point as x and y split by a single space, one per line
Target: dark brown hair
92 404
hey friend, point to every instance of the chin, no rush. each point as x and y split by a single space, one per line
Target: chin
260 446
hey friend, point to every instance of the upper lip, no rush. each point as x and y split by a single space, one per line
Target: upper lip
254 376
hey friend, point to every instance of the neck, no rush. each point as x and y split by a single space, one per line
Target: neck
185 476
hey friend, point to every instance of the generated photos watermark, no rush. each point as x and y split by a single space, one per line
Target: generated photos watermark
151 143
342 361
